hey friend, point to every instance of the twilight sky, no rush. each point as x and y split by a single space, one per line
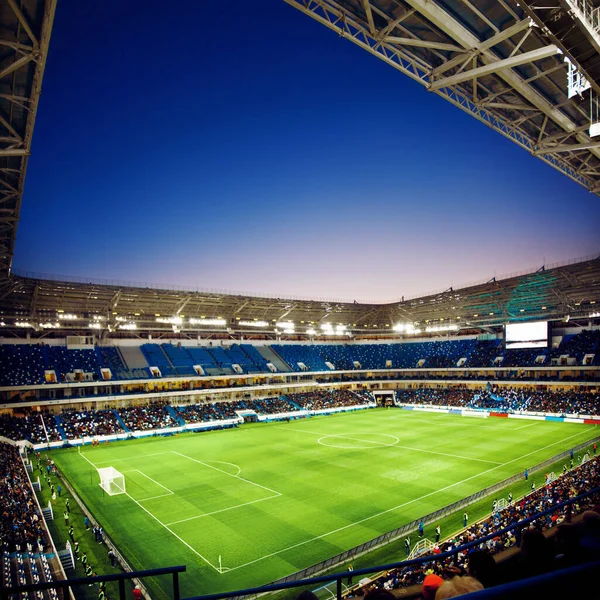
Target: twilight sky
242 146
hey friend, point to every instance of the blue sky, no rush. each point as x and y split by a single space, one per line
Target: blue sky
245 147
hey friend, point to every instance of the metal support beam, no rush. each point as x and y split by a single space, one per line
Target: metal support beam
422 44
369 12
505 34
493 67
566 148
16 65
24 22
14 152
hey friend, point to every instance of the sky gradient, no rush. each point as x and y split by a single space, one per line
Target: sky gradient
242 146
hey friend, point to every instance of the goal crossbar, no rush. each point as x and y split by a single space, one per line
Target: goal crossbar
112 481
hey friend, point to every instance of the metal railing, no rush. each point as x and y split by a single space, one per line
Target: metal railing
586 11
121 578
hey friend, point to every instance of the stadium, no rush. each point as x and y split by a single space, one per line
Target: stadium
164 441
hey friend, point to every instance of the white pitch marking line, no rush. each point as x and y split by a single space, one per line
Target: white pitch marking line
491 462
155 497
131 458
156 482
318 537
160 522
525 426
214 512
264 487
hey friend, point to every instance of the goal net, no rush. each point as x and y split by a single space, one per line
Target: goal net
111 481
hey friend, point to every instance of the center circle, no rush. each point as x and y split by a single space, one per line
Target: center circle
359 441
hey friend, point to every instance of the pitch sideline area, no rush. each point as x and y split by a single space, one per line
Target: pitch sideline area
271 499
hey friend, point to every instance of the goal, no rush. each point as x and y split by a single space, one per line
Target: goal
112 481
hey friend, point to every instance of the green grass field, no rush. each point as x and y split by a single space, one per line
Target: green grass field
270 499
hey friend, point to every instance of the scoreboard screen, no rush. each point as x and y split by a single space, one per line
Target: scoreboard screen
526 335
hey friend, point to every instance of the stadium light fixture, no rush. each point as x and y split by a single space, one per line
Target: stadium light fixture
213 322
170 320
23 324
311 331
128 326
49 325
253 324
285 324
67 317
289 330
95 326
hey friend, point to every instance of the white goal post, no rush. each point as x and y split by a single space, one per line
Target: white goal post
112 481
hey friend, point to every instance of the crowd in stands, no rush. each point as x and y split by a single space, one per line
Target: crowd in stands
150 416
89 423
568 545
200 413
270 406
506 399
323 399
27 427
27 364
20 523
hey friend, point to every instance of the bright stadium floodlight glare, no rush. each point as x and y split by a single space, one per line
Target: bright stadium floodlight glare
129 326
436 328
67 317
208 321
289 330
95 326
285 324
253 324
49 325
170 320
311 331
23 324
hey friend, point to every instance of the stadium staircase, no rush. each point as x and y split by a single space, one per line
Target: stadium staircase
271 356
133 357
59 426
47 513
290 401
176 417
120 421
66 559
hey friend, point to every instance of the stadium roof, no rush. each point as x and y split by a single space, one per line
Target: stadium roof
25 27
570 291
494 61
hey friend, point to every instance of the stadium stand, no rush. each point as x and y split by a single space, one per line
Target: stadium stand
24 427
78 424
506 399
25 364
20 523
21 364
152 416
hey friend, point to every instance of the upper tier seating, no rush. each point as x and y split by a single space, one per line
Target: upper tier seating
63 361
24 364
21 364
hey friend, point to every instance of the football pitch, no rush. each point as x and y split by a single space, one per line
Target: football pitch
246 506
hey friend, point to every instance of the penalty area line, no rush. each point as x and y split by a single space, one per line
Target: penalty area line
161 523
